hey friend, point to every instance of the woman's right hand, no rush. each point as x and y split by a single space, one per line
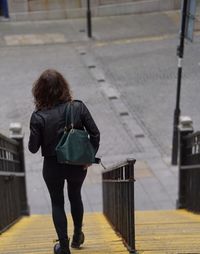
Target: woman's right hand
86 166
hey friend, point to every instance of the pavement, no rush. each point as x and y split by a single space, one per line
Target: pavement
74 30
126 74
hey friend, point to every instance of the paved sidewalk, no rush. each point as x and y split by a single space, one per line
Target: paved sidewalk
108 28
27 48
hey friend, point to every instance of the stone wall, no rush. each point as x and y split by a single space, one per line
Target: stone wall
62 9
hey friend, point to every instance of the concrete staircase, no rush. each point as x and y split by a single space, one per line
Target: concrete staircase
157 232
35 235
167 232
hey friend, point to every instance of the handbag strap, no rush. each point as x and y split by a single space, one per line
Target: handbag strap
69 120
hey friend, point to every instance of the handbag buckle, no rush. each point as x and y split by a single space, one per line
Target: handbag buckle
65 129
71 127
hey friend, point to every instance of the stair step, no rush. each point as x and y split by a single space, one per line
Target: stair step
157 232
35 235
170 232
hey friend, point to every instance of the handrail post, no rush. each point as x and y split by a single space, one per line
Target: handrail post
131 204
177 111
16 134
89 20
185 128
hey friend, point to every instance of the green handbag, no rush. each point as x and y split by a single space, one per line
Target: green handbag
74 146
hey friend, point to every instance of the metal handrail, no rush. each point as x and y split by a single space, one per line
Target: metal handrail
189 170
118 200
13 197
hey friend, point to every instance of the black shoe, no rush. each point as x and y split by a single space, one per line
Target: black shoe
58 250
78 239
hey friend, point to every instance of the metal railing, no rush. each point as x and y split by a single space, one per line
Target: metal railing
189 168
13 199
118 201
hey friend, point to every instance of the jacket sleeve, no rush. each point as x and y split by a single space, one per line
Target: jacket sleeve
35 133
90 126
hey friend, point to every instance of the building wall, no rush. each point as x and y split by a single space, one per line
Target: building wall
59 9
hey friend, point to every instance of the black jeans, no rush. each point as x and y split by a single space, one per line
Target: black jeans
55 175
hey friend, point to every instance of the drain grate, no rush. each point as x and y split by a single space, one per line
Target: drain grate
139 136
101 80
112 98
91 66
124 114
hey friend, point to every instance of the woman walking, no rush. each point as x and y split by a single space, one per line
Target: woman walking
52 94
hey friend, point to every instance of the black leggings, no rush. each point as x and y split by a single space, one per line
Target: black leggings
55 175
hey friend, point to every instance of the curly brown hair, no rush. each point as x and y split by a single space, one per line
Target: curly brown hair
50 88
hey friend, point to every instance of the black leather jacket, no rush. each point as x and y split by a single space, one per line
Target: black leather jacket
47 127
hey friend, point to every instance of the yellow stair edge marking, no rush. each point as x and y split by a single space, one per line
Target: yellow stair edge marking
35 235
157 232
167 232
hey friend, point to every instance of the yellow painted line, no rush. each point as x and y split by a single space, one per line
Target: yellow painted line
167 232
34 39
135 40
35 235
139 39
